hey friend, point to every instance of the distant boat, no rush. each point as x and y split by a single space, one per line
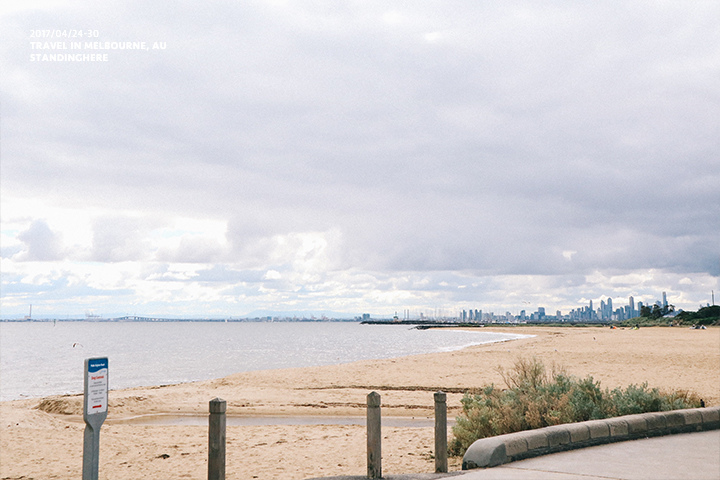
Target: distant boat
92 317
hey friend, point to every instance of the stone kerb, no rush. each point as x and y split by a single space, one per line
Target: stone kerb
494 451
710 416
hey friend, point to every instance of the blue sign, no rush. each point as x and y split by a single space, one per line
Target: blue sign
96 386
97 364
94 413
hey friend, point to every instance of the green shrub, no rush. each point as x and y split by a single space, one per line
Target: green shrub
535 399
709 315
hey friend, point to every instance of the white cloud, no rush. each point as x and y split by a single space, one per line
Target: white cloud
272 275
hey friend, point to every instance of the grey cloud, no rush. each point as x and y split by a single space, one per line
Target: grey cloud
224 274
120 238
193 250
41 243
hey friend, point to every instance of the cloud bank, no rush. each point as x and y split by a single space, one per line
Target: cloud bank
364 157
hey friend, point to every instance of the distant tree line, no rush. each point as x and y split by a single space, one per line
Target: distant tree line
709 315
656 311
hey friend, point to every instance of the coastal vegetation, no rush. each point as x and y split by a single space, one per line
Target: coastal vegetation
709 315
536 398
654 316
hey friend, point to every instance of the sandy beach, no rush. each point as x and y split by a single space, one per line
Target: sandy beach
42 438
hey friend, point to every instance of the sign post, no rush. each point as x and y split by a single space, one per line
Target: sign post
94 413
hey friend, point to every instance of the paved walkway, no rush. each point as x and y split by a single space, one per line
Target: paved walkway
691 456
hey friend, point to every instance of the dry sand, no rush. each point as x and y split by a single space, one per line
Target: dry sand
42 438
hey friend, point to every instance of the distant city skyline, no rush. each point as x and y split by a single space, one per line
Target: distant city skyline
605 311
586 313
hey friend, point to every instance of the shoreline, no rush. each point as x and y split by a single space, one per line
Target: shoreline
666 358
343 343
457 388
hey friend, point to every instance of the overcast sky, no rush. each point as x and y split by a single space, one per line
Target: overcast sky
351 157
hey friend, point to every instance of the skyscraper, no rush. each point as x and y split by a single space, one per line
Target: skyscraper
631 303
665 304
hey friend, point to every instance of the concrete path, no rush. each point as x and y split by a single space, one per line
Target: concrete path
691 456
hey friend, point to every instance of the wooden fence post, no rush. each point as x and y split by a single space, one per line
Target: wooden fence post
216 440
374 436
441 446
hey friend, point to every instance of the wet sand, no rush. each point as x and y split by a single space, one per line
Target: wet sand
42 438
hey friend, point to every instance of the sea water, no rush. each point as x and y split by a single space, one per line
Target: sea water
46 358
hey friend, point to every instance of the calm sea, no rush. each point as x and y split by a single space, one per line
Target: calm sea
39 359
